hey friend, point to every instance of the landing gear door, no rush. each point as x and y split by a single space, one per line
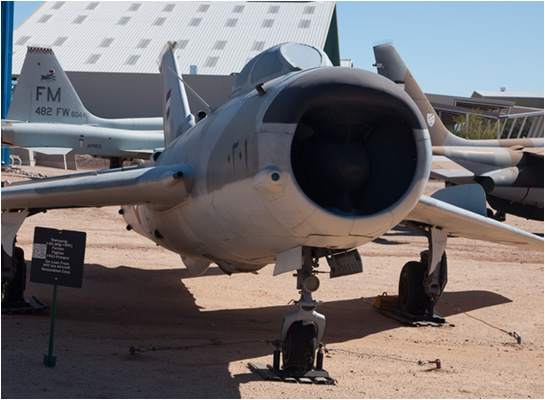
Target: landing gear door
346 263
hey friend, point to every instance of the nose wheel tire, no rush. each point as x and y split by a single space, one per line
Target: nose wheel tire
412 296
299 349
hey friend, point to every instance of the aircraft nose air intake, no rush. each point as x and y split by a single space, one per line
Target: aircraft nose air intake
355 149
332 173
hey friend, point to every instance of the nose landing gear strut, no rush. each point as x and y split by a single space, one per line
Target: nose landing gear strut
301 332
299 347
303 328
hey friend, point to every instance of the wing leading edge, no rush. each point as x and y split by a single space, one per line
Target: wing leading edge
164 185
457 220
459 210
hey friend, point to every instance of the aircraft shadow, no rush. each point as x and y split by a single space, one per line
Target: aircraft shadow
154 308
158 297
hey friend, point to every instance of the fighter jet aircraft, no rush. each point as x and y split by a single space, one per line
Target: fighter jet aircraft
304 161
47 116
509 170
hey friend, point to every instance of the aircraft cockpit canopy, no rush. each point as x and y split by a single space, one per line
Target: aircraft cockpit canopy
277 61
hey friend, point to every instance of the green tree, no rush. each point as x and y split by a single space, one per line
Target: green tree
475 126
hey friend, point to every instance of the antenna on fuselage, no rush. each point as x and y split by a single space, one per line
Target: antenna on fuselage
204 103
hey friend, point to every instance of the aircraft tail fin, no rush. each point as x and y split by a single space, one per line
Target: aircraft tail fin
44 93
177 117
390 65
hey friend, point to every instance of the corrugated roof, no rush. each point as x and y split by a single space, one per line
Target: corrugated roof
218 37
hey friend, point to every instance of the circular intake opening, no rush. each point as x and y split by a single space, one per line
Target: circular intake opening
356 158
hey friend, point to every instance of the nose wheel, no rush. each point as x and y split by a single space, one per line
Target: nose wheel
299 348
299 345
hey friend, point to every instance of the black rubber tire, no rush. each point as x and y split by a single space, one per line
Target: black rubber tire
299 349
14 290
499 216
412 296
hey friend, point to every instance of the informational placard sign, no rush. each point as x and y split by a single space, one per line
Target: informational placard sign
57 257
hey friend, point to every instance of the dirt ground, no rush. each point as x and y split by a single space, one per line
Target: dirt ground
207 329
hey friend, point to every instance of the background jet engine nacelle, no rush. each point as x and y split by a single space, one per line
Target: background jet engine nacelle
498 178
360 150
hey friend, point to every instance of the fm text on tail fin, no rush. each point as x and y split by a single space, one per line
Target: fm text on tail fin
45 94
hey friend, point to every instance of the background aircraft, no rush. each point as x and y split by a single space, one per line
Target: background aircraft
304 161
47 116
509 170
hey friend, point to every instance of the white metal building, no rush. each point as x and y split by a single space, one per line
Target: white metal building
110 49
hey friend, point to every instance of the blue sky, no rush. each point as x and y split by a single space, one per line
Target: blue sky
451 47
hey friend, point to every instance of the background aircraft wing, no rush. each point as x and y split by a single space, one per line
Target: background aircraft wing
137 151
466 217
169 184
446 169
534 151
51 151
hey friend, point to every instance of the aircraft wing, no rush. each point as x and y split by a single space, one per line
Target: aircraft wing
534 151
51 151
138 151
457 220
123 186
448 170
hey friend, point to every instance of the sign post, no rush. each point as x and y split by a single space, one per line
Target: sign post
57 259
50 360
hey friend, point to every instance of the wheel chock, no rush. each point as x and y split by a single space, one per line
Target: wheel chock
389 306
310 377
385 302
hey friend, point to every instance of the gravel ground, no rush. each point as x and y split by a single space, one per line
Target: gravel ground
207 329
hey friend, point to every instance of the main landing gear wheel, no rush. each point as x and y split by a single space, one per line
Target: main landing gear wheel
300 347
13 290
412 296
14 299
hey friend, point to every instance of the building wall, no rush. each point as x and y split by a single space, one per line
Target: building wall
111 95
109 49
